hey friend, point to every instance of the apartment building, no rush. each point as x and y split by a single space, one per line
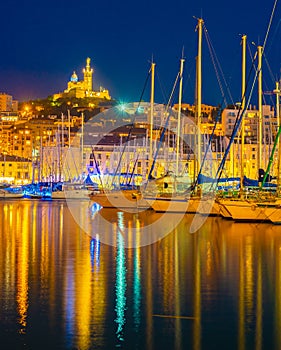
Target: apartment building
251 121
15 170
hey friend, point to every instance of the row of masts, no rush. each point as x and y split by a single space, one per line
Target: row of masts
243 107
198 102
198 136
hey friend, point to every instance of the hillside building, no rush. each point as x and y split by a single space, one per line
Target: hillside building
83 88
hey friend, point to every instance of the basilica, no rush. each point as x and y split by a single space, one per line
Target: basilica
83 88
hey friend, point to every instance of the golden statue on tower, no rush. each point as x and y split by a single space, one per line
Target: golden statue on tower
83 88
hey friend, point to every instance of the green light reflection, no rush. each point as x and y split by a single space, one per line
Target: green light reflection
120 286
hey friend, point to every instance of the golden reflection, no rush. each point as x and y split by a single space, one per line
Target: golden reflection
241 306
54 215
22 266
259 310
166 271
83 296
197 295
7 259
250 283
171 275
42 226
178 321
249 278
33 226
61 215
277 310
85 281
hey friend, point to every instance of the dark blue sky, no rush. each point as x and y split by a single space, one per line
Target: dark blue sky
42 42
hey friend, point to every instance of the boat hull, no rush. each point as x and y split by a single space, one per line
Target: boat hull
243 210
127 199
177 204
223 211
10 195
274 214
206 206
71 194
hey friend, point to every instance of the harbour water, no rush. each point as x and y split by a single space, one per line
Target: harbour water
64 287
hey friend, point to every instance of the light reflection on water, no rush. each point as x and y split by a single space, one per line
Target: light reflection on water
61 288
137 281
120 286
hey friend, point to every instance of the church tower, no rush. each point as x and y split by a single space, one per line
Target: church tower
88 78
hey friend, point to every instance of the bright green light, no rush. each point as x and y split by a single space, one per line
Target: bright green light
122 107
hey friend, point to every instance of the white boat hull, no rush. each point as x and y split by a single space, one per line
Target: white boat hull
176 204
120 199
71 194
10 195
243 210
185 204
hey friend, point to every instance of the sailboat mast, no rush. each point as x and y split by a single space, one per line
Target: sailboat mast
260 49
82 142
62 130
151 109
243 92
68 113
179 119
277 92
199 90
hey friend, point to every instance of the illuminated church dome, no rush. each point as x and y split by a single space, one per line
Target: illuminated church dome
83 88
74 77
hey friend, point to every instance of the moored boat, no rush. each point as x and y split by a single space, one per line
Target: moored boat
252 209
71 191
122 199
274 213
6 193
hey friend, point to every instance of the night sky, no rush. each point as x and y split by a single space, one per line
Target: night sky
42 42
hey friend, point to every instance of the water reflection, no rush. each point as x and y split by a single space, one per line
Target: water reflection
95 253
137 280
220 285
277 302
22 270
121 284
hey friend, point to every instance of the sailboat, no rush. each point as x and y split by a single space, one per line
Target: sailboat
274 214
227 205
10 192
163 201
127 198
68 189
192 200
254 205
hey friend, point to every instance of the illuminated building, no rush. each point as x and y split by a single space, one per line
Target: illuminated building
206 110
229 116
7 104
27 137
16 170
83 88
8 116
